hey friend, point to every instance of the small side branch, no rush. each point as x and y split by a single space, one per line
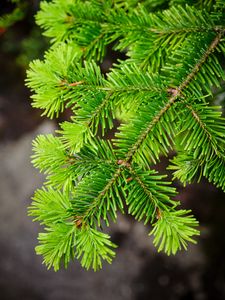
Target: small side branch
177 92
204 128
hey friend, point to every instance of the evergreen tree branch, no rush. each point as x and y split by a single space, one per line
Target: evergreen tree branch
177 93
107 23
96 197
155 197
211 138
173 230
173 61
103 193
197 67
201 142
130 155
92 247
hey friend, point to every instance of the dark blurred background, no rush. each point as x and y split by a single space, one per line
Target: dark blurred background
138 271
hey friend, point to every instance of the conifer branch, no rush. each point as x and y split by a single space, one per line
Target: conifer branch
158 93
146 190
197 67
98 110
202 145
204 127
177 92
97 24
95 205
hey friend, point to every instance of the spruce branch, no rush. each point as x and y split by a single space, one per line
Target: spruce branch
201 145
96 197
93 25
159 94
215 138
177 93
153 199
171 101
173 230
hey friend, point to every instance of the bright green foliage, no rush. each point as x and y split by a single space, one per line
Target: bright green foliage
92 247
57 71
162 95
202 139
51 207
57 243
60 240
173 230
148 194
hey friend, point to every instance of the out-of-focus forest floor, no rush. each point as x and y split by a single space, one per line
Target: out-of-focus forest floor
138 272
